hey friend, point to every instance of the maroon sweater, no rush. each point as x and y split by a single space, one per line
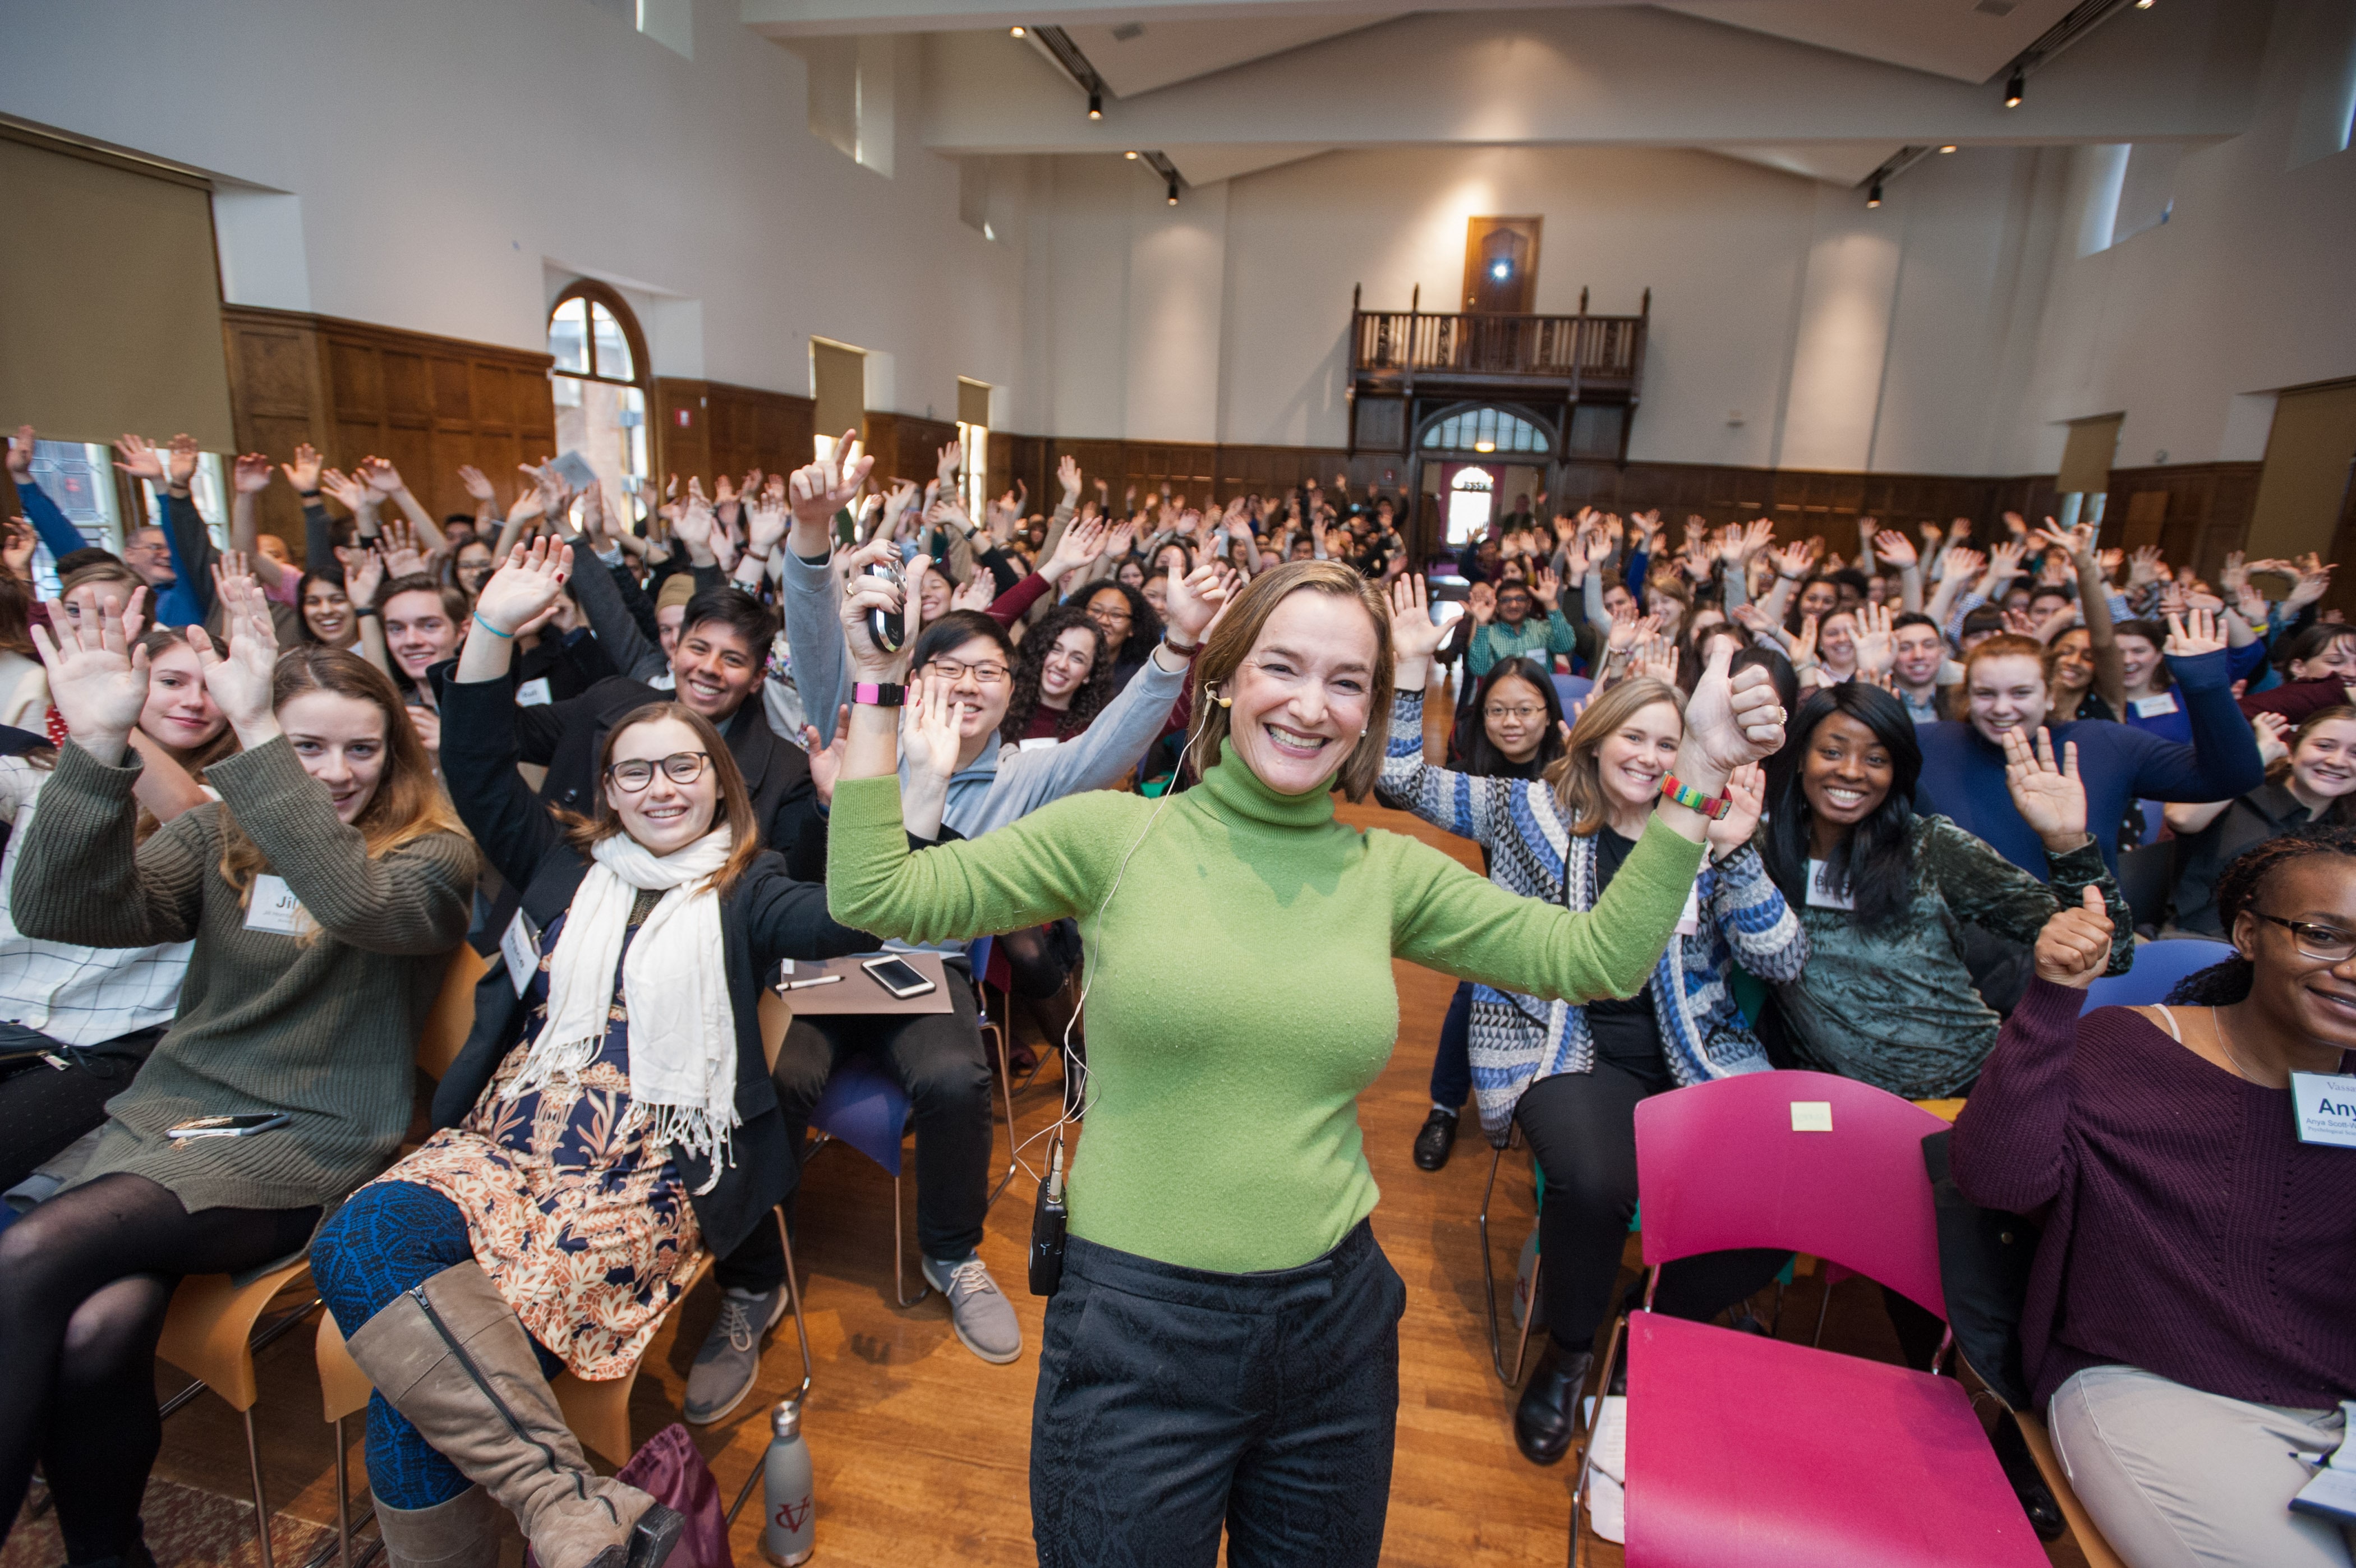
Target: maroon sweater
2187 1229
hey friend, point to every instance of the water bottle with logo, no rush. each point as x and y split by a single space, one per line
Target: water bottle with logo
788 1525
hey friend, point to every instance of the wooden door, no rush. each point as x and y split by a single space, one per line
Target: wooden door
1500 264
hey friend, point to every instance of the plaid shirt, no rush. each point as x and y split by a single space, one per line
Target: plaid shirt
80 996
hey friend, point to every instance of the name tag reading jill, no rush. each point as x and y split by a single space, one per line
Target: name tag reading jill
274 908
534 694
2325 1104
519 946
2156 707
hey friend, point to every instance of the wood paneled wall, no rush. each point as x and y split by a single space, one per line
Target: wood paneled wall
729 429
424 403
906 447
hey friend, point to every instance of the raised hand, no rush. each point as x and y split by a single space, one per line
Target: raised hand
2004 559
978 592
1414 637
946 462
97 672
1481 603
1195 599
826 761
1627 631
380 476
2273 733
818 491
20 455
1548 588
522 594
2192 635
180 461
1746 787
2143 567
240 677
2075 945
140 458
478 484
865 591
1961 564
2048 798
1656 656
347 492
928 729
249 474
1081 543
1804 646
1895 549
16 556
1792 559
363 572
767 519
302 473
1068 473
402 558
1874 648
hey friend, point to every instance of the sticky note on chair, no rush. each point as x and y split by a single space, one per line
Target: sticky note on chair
1812 1116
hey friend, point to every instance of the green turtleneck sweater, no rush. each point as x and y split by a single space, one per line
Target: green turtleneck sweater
1240 992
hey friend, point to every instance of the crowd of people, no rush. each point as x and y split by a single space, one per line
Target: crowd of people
1856 806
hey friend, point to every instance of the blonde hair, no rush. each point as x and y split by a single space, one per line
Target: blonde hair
1233 639
1577 779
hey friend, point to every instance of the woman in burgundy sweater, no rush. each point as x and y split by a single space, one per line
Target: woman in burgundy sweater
2191 1324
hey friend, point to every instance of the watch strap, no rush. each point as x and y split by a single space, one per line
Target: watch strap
879 693
1710 806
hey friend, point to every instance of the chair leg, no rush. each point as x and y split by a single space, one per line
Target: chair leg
260 1503
1006 1087
1587 1446
899 1264
343 1501
1823 1306
1489 1285
794 1295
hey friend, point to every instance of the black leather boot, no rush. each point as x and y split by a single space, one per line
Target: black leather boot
1548 1412
1435 1139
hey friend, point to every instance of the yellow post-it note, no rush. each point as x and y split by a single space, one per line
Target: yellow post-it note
1812 1116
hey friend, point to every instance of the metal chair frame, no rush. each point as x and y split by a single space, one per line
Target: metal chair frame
1489 1281
256 1341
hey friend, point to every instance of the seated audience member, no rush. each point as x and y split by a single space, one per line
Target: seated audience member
2187 1330
598 1132
1884 893
1130 624
2073 677
1571 1073
1503 628
2309 781
2318 666
424 619
1519 735
96 1011
322 893
1918 661
1062 678
1965 760
2149 698
326 608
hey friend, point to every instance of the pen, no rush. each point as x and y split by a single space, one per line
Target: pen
806 985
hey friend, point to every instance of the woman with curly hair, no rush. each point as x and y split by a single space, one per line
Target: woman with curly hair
2187 1330
1062 678
1130 622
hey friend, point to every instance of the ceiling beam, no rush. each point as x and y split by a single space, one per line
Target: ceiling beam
808 19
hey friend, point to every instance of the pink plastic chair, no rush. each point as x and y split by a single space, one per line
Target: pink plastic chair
1745 1451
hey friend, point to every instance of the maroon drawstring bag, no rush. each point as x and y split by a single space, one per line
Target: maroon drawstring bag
667 1468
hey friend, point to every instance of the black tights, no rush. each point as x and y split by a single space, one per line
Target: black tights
85 1280
1582 1129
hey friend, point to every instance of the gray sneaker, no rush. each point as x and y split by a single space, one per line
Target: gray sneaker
980 1310
731 1358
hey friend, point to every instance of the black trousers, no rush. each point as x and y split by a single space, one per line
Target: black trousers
1173 1401
937 1058
1582 1129
44 1109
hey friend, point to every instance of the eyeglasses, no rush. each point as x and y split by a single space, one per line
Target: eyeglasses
1097 612
679 767
2329 943
1524 715
986 672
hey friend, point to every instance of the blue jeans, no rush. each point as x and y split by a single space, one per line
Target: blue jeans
1452 1062
1264 1403
391 1237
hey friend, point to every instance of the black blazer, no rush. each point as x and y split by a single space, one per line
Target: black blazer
767 916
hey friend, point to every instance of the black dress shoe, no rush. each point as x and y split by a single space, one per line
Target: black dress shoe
1545 1420
1437 1136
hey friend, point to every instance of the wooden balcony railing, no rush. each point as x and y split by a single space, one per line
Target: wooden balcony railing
1597 351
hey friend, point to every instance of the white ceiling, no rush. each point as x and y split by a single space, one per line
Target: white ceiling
1969 40
1145 52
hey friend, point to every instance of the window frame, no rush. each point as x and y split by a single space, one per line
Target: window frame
592 293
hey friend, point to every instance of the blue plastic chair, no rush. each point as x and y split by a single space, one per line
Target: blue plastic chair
2155 821
2157 967
1572 690
863 1106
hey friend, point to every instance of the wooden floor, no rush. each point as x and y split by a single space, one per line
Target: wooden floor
920 1448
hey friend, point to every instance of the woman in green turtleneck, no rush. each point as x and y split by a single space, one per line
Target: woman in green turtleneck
1224 1348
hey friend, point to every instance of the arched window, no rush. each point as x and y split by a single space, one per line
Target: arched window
1471 497
1485 430
601 385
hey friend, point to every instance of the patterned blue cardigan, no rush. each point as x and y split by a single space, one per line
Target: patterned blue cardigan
1518 1039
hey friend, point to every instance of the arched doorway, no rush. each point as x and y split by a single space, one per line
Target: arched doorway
1472 461
600 381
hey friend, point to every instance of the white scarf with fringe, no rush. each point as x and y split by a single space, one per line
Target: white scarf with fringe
674 985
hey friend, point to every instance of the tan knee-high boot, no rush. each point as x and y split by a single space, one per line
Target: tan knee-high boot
452 1357
463 1532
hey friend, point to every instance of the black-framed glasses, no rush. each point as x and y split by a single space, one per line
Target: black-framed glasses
985 672
1526 713
679 767
2329 943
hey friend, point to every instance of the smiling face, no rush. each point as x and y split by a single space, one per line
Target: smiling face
340 741
327 612
1110 608
1817 598
1304 695
713 669
2073 662
1837 640
1614 597
1845 772
1513 604
1515 718
1916 652
472 566
1157 594
2138 659
2324 765
2300 994
980 685
666 815
419 632
2006 693
1067 665
1630 762
2337 660
180 714
1131 573
934 594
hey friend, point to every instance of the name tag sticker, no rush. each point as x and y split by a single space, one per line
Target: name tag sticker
274 908
2326 1106
519 946
1821 893
1690 918
1036 743
1812 1116
2156 707
534 694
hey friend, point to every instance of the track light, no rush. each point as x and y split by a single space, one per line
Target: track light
1174 193
1014 32
1873 196
1948 148
2014 87
2143 5
1096 105
1131 154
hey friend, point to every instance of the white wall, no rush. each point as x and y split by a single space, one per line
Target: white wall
443 160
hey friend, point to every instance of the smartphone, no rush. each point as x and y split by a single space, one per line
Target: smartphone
242 1126
898 976
888 628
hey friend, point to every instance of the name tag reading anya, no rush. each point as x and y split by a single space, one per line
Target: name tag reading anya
2325 1104
2156 707
519 946
274 908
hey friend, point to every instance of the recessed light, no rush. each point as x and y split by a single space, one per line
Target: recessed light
1948 148
1131 154
1014 32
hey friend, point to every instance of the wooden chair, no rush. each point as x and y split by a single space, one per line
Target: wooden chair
2097 1551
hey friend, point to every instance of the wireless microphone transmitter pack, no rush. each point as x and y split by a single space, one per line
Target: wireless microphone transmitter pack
1048 1222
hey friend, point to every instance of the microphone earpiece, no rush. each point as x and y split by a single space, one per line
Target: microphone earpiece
1224 701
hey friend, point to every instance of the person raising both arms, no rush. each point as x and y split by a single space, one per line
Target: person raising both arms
1226 1321
2310 777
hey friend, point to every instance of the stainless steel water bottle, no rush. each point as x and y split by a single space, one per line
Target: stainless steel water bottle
789 1523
